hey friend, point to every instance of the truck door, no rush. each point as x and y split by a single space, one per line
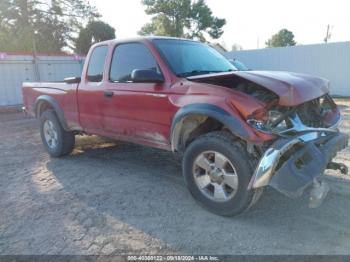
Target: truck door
141 110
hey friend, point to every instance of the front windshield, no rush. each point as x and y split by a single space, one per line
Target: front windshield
189 58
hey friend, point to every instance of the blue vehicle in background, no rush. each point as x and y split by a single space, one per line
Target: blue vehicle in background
239 65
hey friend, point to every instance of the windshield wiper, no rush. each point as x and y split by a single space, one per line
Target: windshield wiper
201 72
194 72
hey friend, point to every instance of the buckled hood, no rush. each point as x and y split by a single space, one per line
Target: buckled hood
292 88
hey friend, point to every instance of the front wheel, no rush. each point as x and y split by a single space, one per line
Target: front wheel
56 140
217 171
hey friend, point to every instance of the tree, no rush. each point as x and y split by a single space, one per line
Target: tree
95 31
48 25
181 18
283 38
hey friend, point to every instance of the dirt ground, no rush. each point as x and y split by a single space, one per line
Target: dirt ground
119 198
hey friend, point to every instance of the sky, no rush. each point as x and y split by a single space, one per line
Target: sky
249 23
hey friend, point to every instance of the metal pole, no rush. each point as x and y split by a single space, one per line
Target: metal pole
327 35
36 67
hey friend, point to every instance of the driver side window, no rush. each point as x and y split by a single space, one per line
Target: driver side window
128 57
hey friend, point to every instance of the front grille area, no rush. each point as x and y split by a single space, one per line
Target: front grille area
316 113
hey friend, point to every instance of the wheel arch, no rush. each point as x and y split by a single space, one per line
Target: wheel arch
44 102
194 115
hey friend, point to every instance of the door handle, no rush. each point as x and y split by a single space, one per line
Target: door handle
108 93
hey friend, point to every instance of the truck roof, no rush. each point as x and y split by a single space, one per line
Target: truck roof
141 39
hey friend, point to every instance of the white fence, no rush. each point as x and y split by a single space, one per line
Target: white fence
331 61
15 69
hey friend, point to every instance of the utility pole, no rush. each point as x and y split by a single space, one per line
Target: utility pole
36 67
328 34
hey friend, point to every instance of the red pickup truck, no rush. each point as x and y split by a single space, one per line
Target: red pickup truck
237 131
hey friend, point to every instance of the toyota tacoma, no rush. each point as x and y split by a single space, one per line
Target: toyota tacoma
236 131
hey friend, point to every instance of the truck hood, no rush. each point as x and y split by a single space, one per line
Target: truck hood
292 88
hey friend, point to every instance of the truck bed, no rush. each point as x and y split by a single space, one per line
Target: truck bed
63 93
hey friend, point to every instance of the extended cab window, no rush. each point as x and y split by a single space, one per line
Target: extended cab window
96 64
128 57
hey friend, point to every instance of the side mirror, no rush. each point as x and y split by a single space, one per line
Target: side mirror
72 80
146 76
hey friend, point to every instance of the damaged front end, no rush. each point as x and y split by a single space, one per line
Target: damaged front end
308 140
298 112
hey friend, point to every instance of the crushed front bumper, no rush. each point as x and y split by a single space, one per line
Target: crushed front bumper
291 165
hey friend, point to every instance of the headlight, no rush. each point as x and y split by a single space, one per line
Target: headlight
271 121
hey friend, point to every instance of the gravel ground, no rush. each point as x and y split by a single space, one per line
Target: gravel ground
119 198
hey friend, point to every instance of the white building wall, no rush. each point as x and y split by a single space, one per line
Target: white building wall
16 69
331 61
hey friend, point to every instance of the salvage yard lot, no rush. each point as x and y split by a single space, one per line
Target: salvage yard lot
119 198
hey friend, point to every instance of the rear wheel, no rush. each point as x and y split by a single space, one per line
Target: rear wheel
56 140
217 172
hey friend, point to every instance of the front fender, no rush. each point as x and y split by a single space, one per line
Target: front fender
234 124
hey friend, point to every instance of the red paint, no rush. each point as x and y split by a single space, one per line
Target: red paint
143 113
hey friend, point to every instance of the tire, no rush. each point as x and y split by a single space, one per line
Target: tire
56 140
225 195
